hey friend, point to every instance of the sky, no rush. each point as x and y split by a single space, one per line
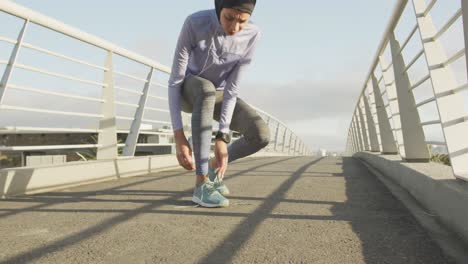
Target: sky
309 67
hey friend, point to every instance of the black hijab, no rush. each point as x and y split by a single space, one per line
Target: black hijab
241 5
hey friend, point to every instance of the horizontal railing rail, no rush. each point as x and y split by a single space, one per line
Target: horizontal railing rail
150 90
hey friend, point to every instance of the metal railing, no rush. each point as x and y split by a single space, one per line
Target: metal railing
146 89
390 115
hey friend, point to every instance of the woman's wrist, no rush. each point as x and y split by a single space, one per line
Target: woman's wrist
179 136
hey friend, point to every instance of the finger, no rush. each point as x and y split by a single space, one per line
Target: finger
189 158
219 160
181 163
222 170
225 165
222 162
221 173
188 165
189 161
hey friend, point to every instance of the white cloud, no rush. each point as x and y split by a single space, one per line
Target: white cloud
317 111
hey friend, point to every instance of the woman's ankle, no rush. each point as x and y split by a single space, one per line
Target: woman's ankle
200 179
212 163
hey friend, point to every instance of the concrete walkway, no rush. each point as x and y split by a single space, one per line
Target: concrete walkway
283 210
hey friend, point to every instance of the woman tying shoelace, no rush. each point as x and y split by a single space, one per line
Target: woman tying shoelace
214 48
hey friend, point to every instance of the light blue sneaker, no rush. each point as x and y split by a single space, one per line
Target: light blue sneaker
218 183
206 195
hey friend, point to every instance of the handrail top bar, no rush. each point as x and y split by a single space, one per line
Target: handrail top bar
271 116
28 15
17 10
43 130
397 13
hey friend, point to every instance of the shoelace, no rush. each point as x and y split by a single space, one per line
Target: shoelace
209 186
217 180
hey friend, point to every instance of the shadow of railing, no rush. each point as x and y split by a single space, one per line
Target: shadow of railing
126 215
387 230
381 227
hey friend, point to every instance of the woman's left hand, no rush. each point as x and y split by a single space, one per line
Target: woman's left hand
221 155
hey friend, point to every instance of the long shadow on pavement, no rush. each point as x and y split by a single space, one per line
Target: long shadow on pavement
95 230
224 252
55 198
387 230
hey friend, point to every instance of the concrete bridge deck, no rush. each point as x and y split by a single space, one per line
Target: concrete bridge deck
283 210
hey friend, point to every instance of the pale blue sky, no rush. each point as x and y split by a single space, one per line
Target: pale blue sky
308 69
299 37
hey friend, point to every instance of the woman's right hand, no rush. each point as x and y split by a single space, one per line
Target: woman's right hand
183 150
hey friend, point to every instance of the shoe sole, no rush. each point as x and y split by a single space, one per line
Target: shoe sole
200 202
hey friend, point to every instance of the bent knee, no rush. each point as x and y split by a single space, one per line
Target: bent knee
259 135
264 139
203 87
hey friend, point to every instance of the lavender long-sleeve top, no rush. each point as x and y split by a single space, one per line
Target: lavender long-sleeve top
203 49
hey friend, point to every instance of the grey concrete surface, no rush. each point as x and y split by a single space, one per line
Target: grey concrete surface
283 210
432 184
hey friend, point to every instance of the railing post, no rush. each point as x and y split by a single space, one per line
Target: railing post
358 128
298 147
356 136
363 128
353 140
386 135
450 104
132 138
11 62
108 137
284 139
464 4
295 145
348 147
374 142
290 141
413 135
349 142
276 136
390 91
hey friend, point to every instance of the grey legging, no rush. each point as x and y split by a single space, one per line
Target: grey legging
199 97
